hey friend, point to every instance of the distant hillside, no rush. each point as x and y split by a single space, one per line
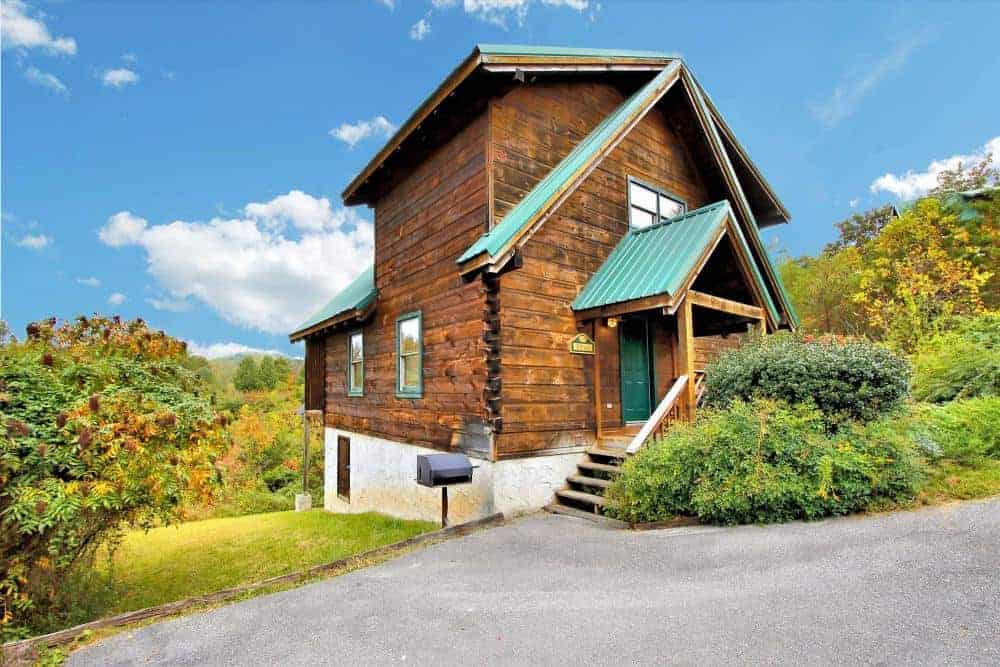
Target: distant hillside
224 368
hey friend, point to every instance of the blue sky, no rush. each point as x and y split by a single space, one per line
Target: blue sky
183 162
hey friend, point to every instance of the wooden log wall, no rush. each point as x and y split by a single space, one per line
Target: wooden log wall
547 396
421 226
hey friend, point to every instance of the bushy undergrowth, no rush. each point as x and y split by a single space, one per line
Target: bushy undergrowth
845 380
964 430
961 362
765 461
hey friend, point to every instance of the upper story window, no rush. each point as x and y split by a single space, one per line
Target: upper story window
356 365
648 206
409 356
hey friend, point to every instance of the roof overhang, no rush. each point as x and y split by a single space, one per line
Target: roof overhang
353 316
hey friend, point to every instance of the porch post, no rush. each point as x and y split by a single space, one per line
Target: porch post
685 348
597 380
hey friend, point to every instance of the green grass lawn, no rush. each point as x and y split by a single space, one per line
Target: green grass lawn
949 480
167 564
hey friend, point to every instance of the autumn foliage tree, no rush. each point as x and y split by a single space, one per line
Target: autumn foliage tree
103 428
921 268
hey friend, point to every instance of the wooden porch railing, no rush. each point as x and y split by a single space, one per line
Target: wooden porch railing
667 412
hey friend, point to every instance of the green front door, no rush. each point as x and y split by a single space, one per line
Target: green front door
634 351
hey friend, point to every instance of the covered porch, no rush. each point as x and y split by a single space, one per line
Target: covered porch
668 300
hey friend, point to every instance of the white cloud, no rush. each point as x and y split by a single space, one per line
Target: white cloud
117 298
914 184
122 229
35 241
267 270
89 282
24 28
853 88
220 350
443 4
119 78
854 202
306 213
420 29
498 12
170 305
391 4
130 58
46 80
351 134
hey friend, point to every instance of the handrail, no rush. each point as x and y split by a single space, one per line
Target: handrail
659 420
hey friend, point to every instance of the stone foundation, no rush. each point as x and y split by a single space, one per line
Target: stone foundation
383 479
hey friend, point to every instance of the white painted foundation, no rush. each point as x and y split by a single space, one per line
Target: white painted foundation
383 479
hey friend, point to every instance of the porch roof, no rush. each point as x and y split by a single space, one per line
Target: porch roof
353 300
662 259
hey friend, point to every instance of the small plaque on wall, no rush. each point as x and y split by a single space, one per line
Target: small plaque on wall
581 344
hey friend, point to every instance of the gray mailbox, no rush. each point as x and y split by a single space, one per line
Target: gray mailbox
442 470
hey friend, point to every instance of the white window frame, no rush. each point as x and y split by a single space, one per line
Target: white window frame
660 194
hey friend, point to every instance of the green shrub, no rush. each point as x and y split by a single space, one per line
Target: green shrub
965 430
962 362
845 379
765 461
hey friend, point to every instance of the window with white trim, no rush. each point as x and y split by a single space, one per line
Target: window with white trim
356 365
648 206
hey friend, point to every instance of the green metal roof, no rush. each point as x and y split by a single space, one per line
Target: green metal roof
566 51
521 216
660 258
358 295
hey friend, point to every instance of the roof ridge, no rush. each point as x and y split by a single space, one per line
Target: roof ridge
569 51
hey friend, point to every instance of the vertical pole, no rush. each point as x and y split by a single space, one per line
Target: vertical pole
685 346
305 451
444 506
597 382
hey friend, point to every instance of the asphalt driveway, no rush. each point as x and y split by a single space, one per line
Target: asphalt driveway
913 587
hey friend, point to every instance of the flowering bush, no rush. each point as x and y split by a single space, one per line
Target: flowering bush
102 428
844 378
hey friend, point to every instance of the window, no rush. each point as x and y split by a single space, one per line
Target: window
648 206
356 365
409 350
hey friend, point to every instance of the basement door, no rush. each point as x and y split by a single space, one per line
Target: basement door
636 373
344 467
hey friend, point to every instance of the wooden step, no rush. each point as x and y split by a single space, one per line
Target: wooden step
581 497
589 481
599 467
566 510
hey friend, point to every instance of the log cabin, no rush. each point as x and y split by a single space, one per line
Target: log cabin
564 238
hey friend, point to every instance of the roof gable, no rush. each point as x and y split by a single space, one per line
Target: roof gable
665 258
501 57
544 197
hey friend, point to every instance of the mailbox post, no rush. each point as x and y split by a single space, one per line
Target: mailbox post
441 470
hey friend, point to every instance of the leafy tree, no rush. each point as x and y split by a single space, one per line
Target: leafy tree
920 268
857 230
965 177
103 428
247 376
821 287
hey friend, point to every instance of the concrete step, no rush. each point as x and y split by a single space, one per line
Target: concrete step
581 497
604 453
592 466
566 510
593 482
